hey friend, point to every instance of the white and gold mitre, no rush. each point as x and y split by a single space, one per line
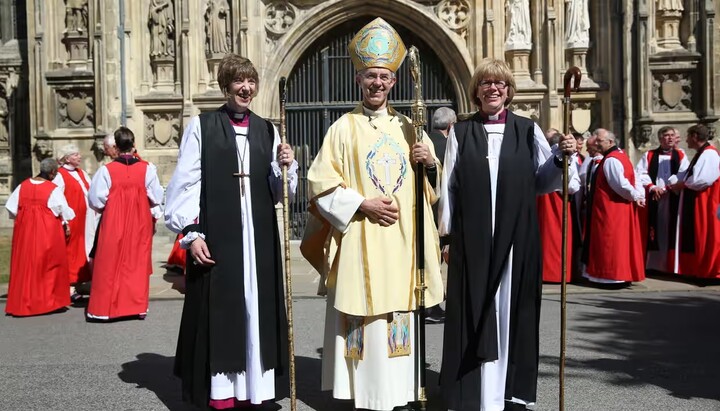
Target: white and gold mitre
377 45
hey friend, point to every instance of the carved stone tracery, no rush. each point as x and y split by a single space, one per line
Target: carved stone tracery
455 14
162 130
279 17
672 92
75 108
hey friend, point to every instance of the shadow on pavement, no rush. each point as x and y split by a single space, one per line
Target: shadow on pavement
154 372
669 342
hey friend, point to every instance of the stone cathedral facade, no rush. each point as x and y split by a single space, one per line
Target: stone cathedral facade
74 70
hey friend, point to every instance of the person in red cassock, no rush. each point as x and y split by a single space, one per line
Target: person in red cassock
74 183
38 263
177 257
124 191
615 239
696 250
549 208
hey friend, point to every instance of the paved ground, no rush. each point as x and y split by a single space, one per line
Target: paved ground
652 346
629 351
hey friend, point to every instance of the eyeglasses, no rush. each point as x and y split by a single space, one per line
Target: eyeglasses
371 77
489 83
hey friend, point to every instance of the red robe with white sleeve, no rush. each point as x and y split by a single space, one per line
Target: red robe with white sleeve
615 237
38 263
77 255
549 208
698 229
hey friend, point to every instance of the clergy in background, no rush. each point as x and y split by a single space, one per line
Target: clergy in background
363 188
38 263
124 191
222 196
695 251
613 230
496 163
550 211
656 170
74 183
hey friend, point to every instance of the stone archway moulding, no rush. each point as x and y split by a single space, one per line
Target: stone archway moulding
449 48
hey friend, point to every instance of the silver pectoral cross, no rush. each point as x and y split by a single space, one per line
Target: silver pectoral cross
387 161
242 181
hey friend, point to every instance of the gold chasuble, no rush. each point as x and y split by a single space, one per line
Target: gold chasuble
372 268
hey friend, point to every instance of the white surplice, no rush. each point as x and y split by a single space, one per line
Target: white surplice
91 217
56 203
657 259
182 208
548 178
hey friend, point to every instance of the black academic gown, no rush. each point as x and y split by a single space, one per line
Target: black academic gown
477 261
213 327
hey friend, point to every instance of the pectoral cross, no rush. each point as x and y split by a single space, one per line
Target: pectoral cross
242 181
387 161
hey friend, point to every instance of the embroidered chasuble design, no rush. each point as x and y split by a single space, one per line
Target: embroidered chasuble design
385 161
399 334
354 336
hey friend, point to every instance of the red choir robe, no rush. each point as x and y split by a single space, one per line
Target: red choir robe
615 236
699 232
177 256
78 267
123 259
38 262
549 208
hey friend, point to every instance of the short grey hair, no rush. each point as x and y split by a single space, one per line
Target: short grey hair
610 134
555 139
109 140
443 118
48 166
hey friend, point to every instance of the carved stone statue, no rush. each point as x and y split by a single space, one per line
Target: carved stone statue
217 16
577 24
76 15
161 22
670 5
519 33
4 113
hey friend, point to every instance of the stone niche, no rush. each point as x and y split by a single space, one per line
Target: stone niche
74 98
161 129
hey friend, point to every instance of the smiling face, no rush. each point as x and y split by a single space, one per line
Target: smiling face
603 142
240 93
375 84
492 95
492 86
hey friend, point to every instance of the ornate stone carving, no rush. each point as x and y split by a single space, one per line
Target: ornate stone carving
162 130
577 24
161 23
530 110
4 123
668 15
279 17
455 14
672 92
641 136
76 16
75 108
43 149
581 116
217 29
519 32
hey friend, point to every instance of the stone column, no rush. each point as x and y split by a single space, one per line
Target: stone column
518 43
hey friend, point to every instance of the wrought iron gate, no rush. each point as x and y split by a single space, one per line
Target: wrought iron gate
322 88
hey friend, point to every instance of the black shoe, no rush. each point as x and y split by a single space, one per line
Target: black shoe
435 315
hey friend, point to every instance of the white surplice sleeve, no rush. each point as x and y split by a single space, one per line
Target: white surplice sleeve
448 185
57 203
59 181
12 203
99 190
339 207
705 172
276 176
154 190
182 203
641 172
548 177
615 175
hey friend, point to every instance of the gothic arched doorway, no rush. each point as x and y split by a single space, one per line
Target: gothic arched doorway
321 88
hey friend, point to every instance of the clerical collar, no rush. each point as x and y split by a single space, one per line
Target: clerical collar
68 167
238 119
498 118
375 113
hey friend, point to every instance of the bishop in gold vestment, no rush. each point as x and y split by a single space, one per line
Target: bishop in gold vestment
362 187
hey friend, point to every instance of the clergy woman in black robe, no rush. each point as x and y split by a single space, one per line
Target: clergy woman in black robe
495 164
222 196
